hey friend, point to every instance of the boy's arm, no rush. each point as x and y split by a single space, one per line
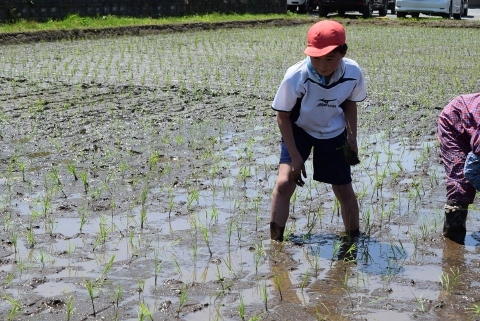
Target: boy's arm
350 111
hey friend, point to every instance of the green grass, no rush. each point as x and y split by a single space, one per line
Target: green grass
76 21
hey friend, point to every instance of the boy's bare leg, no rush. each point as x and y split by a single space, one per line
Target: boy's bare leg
348 207
280 205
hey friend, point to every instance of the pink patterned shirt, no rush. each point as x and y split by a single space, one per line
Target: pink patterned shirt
458 134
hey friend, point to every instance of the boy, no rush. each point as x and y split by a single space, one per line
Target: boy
459 136
316 106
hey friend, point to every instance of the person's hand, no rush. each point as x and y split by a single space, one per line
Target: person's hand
298 170
352 144
351 156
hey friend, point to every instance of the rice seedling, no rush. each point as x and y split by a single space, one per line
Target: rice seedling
108 267
83 217
319 316
368 221
70 308
46 204
256 318
50 225
289 229
193 195
158 264
41 258
116 299
140 287
265 296
450 280
153 159
22 166
312 219
14 241
177 266
278 283
305 279
229 264
389 271
183 298
30 237
103 230
241 309
71 168
90 284
474 311
9 278
230 231
350 254
336 249
170 206
55 177
420 303
21 267
144 312
315 261
14 307
258 254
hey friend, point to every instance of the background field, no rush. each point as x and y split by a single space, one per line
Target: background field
136 174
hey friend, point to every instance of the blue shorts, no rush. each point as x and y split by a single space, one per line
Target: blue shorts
329 165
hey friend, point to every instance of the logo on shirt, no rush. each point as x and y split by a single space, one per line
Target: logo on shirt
326 103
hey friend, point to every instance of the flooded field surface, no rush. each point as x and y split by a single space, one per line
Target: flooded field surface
136 174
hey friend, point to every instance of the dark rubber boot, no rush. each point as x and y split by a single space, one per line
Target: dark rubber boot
353 234
454 225
276 232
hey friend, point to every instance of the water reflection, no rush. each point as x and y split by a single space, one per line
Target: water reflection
453 277
370 255
338 269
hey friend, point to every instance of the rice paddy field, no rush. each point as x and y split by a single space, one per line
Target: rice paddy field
136 174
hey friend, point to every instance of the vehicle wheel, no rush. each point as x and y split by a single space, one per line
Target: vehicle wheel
291 8
458 16
415 14
401 14
303 8
393 11
449 14
322 11
382 12
341 13
367 11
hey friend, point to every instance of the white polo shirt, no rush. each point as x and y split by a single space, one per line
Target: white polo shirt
320 113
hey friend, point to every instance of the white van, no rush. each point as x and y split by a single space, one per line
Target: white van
444 8
303 6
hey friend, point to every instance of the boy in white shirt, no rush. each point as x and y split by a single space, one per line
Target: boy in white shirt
316 106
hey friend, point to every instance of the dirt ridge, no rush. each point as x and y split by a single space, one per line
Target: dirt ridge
95 33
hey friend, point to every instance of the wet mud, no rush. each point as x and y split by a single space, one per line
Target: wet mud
129 201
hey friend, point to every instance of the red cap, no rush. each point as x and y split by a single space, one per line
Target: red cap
323 37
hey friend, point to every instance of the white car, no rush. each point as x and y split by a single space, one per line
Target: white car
444 8
302 5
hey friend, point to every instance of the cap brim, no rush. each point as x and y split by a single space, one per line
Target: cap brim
315 52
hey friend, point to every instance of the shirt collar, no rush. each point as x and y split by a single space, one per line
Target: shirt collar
337 74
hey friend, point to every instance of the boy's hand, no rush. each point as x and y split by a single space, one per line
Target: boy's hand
351 156
296 174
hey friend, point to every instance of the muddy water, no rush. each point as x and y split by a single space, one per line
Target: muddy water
169 211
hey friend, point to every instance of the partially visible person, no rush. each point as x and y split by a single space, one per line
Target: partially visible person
459 136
